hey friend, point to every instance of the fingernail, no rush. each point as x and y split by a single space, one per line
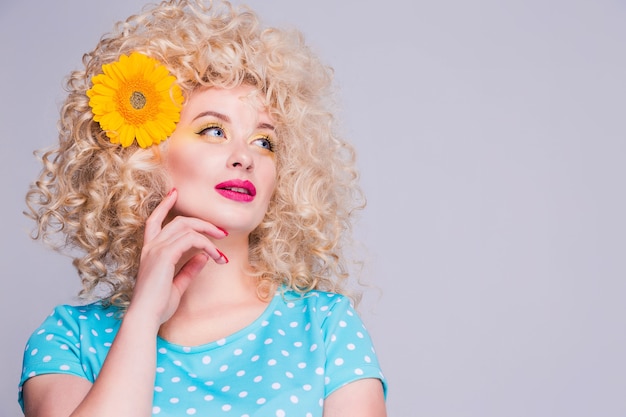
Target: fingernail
222 255
171 191
223 231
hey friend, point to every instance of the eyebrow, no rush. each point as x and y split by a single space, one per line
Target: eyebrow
227 119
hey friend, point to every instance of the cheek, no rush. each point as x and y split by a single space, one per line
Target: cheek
181 166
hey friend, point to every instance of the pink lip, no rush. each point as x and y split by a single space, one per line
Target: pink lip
237 190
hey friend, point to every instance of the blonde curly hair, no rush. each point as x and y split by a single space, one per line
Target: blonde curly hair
98 195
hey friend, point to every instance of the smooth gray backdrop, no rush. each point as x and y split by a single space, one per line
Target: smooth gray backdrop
492 143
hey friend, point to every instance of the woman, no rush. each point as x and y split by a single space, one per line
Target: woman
199 172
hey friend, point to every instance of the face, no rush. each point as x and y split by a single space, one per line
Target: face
221 159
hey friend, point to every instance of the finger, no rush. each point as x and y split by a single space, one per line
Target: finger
189 271
181 224
155 220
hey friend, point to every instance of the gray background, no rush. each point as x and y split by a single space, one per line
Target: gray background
491 138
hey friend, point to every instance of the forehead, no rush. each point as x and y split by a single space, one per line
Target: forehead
224 99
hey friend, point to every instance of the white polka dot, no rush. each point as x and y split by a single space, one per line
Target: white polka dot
206 360
289 375
293 324
243 394
93 332
359 335
47 358
237 352
280 413
307 387
178 363
162 350
278 313
339 361
326 380
261 401
351 346
333 338
271 362
92 349
160 370
284 353
294 399
309 415
302 365
192 375
34 352
191 411
192 388
258 378
367 359
208 398
223 368
158 389
251 336
324 308
358 371
226 407
342 323
209 383
221 342
49 337
291 305
69 333
241 373
186 349
313 347
226 388
319 371
268 341
175 379
307 327
108 330
82 317
255 358
64 347
64 367
276 385
297 344
174 400
107 344
281 332
156 410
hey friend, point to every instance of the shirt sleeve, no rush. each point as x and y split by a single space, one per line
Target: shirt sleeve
54 348
350 354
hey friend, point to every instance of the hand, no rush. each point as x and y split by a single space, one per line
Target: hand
159 286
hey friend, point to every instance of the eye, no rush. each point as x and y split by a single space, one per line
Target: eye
212 131
265 143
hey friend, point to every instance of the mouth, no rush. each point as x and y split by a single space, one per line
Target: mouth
237 190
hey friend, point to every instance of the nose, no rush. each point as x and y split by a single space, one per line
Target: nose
241 158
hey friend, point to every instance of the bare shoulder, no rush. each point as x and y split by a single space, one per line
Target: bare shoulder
362 398
53 395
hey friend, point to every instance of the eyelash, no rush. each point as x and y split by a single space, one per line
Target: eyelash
204 132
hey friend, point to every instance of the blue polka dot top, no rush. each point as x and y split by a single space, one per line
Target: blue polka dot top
285 363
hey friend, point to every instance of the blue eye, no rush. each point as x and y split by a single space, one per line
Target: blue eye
214 131
265 143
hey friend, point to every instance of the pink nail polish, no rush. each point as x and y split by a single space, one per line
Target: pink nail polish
223 256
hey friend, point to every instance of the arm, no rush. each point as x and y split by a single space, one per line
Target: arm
125 384
362 398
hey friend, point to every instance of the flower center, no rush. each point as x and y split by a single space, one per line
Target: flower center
137 100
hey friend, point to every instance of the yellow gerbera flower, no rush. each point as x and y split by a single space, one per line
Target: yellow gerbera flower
135 98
